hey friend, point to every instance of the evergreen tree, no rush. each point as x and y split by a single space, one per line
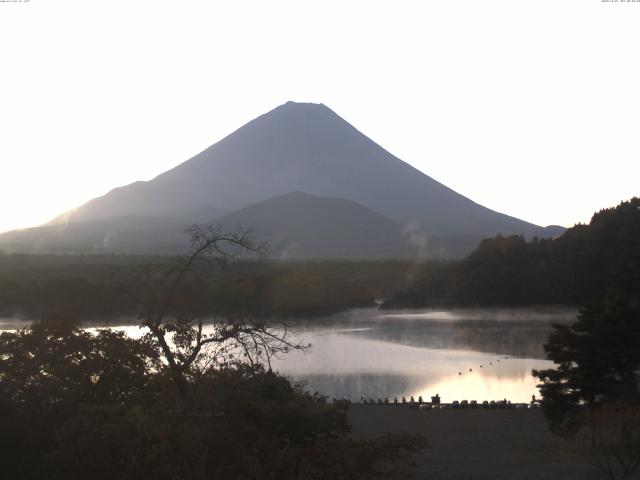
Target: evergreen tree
598 357
598 361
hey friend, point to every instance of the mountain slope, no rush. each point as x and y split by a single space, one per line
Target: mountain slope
295 225
303 147
126 234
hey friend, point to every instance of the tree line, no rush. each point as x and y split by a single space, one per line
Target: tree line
593 391
569 270
32 286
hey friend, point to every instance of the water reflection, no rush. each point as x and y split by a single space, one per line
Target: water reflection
517 332
343 364
459 354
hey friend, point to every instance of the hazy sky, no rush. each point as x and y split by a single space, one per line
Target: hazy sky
531 108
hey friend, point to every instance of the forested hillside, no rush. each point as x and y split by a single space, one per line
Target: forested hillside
94 287
571 269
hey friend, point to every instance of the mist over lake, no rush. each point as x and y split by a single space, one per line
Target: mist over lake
458 354
473 354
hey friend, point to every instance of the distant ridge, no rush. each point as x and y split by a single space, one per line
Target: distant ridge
299 225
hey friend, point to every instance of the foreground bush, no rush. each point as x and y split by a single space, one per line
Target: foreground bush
75 405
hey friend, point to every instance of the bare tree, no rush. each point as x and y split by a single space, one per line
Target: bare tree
187 346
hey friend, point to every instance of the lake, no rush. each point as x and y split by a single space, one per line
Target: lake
458 354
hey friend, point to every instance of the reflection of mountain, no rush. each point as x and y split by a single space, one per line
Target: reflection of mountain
519 332
503 338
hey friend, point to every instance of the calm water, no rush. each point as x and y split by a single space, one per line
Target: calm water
459 354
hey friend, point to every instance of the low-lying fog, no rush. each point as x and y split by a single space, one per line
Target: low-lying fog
459 354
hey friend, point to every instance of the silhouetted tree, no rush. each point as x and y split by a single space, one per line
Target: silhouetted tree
177 327
78 405
55 362
594 391
598 357
52 370
598 361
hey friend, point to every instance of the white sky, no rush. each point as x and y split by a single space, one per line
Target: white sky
529 107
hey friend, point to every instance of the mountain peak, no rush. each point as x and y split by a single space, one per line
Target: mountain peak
292 104
299 109
305 147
